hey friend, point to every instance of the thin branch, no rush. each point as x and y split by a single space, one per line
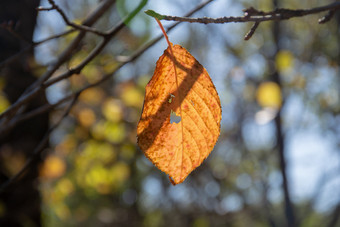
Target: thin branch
252 31
129 59
34 89
251 15
33 45
41 8
327 17
39 149
75 96
40 110
70 23
111 33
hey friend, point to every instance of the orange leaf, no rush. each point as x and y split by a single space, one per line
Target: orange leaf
181 116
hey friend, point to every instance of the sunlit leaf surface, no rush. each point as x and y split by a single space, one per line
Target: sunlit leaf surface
180 122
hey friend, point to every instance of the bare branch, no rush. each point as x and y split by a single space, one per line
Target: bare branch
74 97
68 73
252 31
327 17
38 150
41 8
251 15
34 44
34 89
70 23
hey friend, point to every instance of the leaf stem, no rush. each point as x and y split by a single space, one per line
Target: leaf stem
165 35
177 87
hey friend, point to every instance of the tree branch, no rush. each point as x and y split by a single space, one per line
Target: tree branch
33 45
39 149
254 15
252 31
250 15
75 96
70 23
68 73
35 88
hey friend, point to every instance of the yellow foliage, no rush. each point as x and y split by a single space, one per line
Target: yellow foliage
108 63
269 95
92 73
95 152
132 96
98 178
284 60
128 151
65 186
53 167
114 132
77 59
119 173
112 110
86 117
62 211
98 130
201 222
92 96
105 180
153 219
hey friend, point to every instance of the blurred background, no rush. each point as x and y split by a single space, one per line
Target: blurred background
278 156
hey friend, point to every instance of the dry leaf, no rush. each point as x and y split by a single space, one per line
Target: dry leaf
181 116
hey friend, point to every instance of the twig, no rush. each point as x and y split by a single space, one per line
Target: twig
111 33
34 44
38 150
40 110
131 58
254 15
34 89
76 26
327 17
252 31
41 8
251 15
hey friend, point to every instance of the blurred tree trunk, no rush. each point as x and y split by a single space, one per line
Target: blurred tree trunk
280 138
20 203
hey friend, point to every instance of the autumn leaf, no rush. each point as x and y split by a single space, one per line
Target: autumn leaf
181 116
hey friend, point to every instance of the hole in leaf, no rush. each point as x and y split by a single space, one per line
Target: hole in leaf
174 118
